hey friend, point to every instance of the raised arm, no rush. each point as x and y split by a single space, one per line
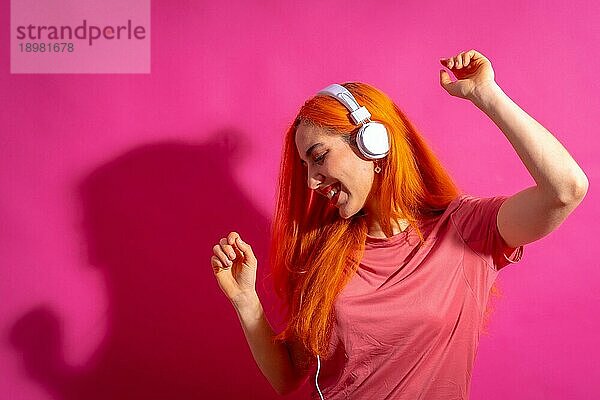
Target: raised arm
560 183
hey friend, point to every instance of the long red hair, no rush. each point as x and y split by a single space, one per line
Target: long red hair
314 252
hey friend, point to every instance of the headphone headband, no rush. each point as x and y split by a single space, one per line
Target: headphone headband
359 114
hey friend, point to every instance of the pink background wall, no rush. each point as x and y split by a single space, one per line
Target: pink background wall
115 187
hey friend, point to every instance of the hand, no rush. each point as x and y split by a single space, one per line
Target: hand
473 72
234 266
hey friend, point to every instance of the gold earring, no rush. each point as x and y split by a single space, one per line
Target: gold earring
377 168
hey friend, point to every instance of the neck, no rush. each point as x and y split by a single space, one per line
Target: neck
374 228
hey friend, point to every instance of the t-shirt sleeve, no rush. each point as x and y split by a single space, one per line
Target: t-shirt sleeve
475 219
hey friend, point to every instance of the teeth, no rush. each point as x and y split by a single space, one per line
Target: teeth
332 193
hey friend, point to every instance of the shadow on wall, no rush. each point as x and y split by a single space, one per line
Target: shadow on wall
151 217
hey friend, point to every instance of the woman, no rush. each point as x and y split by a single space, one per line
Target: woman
384 268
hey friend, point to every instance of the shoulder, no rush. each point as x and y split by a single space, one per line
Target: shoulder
473 216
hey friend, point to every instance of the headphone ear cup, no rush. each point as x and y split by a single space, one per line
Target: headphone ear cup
372 140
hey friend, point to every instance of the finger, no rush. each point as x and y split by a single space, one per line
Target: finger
246 250
459 63
475 55
450 63
468 56
227 249
217 265
232 237
464 59
222 256
445 79
445 62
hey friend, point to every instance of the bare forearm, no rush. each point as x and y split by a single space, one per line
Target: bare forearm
549 163
272 358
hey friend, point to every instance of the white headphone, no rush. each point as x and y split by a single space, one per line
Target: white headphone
372 137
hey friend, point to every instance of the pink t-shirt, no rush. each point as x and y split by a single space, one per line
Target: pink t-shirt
408 323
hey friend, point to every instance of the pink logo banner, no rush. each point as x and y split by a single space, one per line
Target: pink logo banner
80 36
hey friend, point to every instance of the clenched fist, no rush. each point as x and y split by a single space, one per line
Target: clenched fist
473 73
235 265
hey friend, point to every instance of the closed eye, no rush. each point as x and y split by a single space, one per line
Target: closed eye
317 160
320 159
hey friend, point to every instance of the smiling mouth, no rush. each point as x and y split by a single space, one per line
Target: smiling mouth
332 192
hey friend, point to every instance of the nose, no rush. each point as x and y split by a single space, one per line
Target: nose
314 180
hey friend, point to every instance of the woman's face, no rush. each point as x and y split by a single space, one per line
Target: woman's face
334 169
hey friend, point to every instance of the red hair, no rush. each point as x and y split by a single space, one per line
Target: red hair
314 252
